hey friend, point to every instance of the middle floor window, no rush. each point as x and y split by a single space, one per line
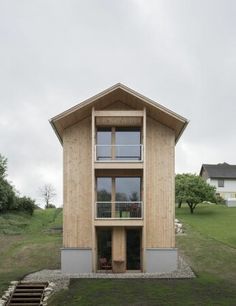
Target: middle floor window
119 197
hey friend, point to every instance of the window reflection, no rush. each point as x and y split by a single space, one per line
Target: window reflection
104 149
126 144
128 188
120 201
104 188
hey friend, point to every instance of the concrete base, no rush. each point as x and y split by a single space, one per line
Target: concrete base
76 260
160 260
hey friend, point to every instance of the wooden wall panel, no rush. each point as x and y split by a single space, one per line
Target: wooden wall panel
119 121
118 244
160 207
77 229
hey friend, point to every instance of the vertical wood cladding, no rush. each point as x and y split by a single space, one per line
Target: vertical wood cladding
160 209
77 143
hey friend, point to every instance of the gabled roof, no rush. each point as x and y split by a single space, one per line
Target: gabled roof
119 92
224 171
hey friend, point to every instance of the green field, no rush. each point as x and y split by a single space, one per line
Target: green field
209 245
28 243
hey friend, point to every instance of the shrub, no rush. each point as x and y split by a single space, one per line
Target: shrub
50 206
220 200
26 204
7 196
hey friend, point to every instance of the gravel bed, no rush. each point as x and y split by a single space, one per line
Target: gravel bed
62 280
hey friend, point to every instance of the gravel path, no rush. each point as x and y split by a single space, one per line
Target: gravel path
62 280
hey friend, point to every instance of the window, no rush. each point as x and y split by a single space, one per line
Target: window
128 188
104 197
127 142
119 197
104 187
104 140
221 183
119 144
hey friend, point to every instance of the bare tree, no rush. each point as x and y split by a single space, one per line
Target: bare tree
47 192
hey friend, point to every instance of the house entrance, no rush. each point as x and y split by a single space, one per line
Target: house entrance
104 244
133 249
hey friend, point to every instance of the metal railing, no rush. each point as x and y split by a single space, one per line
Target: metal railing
119 153
119 210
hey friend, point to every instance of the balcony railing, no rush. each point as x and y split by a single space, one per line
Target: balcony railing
119 210
119 153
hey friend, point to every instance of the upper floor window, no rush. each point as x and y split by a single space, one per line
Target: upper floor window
221 183
120 144
104 141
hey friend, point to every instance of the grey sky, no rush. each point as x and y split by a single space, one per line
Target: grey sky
54 54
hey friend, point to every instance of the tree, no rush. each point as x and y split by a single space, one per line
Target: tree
3 166
25 204
7 192
192 189
9 197
48 192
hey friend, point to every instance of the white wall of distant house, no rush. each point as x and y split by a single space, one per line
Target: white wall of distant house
229 189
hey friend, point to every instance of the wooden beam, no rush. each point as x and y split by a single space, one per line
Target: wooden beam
118 165
94 246
144 191
120 113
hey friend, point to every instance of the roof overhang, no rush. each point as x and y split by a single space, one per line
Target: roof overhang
122 93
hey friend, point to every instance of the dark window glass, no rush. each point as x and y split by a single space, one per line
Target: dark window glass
128 144
133 249
220 183
103 149
128 197
104 248
104 189
128 188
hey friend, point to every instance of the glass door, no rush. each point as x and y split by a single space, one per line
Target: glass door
104 247
133 249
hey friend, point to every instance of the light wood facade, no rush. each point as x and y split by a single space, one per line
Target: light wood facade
160 128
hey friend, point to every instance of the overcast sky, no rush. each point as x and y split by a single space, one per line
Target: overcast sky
54 54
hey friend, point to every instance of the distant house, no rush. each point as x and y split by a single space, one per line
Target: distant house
119 152
223 177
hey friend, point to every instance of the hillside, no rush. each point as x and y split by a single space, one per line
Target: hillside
209 245
29 243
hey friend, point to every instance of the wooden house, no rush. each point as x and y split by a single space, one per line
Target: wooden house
119 169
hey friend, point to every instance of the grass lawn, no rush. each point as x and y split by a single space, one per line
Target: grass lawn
210 248
27 244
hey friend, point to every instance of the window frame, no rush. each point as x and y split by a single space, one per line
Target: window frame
112 143
221 183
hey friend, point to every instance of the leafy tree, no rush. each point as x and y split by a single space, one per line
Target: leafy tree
51 206
3 166
103 195
9 199
26 204
192 189
7 196
220 200
134 196
48 192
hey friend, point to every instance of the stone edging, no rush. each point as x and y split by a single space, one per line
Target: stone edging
48 292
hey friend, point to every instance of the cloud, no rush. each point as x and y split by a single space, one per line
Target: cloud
55 54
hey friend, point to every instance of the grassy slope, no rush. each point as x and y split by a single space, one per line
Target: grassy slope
27 244
209 247
217 221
